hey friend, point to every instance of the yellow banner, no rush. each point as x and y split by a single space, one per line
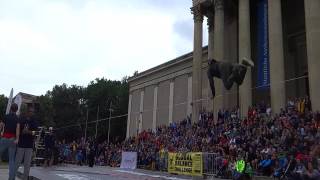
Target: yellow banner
185 163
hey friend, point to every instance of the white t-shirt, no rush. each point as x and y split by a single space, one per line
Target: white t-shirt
268 111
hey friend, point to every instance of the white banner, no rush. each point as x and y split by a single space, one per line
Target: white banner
129 160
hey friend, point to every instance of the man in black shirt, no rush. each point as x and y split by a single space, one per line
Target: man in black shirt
10 137
25 146
229 73
49 143
91 155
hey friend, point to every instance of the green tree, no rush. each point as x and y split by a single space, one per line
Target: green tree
3 105
65 102
103 93
65 107
46 111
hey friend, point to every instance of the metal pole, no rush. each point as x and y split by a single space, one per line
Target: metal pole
97 122
85 132
110 110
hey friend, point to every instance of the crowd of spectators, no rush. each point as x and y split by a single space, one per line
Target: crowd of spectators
79 152
268 142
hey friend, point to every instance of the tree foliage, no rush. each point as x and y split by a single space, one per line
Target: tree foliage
65 108
3 105
46 111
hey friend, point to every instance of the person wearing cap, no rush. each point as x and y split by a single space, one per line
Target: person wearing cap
25 146
10 137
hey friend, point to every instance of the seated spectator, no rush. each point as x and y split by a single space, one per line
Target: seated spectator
299 169
312 173
280 166
266 165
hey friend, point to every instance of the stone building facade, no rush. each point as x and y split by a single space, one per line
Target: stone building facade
282 37
31 101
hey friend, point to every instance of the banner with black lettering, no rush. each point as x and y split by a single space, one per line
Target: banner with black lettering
185 163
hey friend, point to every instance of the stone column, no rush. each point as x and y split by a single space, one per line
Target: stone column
129 116
197 62
277 84
141 111
155 107
218 52
211 33
171 101
210 15
245 91
312 19
189 101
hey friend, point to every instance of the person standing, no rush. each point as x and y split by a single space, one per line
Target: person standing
10 137
49 143
79 157
25 146
91 156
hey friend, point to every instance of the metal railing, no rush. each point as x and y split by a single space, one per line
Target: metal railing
162 161
211 163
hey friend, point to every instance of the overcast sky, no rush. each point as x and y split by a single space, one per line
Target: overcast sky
49 42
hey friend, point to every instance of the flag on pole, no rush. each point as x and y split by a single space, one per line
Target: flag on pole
9 102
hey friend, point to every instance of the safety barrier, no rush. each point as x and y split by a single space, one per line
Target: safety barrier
162 163
211 163
190 164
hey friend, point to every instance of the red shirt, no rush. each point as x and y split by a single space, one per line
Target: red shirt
8 135
10 122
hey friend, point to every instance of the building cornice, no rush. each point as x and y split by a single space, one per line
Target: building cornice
178 60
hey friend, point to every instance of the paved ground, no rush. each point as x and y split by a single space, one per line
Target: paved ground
71 172
99 173
4 172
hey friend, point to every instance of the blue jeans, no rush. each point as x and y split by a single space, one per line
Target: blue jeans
11 146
